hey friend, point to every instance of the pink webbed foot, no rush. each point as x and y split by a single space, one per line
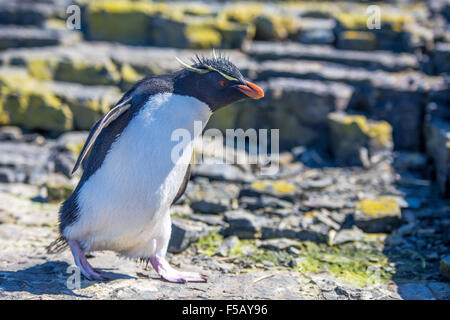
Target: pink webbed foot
168 273
82 263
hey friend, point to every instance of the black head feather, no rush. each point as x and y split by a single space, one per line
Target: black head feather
219 62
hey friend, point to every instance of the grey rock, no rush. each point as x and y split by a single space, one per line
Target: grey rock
221 172
64 163
370 60
278 244
185 232
324 202
210 219
10 133
348 235
252 203
316 184
21 37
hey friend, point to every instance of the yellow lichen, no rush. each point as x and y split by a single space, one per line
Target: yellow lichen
260 185
283 187
201 37
242 12
358 35
382 206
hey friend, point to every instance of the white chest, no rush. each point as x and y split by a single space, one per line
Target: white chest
123 201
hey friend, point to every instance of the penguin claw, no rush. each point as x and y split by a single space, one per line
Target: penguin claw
86 269
169 274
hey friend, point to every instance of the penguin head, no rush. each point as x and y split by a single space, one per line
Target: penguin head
215 81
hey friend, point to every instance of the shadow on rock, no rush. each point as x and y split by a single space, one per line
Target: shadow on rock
417 246
52 277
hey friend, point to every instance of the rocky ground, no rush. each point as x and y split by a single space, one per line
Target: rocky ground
310 232
358 209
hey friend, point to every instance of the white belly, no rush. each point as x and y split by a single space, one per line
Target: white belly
124 205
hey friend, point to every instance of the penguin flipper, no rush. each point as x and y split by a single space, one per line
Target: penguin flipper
183 185
104 121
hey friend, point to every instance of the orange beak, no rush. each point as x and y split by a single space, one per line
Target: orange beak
251 90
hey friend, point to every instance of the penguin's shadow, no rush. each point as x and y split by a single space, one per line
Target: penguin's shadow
51 277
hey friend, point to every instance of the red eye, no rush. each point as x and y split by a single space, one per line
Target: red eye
223 83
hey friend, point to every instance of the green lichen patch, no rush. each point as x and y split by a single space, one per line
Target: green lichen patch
208 244
58 193
27 102
358 266
201 37
122 21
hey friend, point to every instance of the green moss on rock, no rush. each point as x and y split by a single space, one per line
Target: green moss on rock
201 37
89 73
58 193
122 21
350 133
29 103
210 243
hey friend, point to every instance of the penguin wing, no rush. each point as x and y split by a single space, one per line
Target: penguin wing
113 114
183 185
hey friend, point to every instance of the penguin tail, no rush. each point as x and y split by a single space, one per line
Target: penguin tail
59 245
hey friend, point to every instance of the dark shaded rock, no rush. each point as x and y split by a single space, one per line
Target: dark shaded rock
441 58
298 107
243 224
64 163
441 290
185 232
356 40
354 139
213 206
24 13
445 267
405 161
381 215
437 134
415 291
7 175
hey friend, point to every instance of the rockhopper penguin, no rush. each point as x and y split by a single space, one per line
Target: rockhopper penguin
123 199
